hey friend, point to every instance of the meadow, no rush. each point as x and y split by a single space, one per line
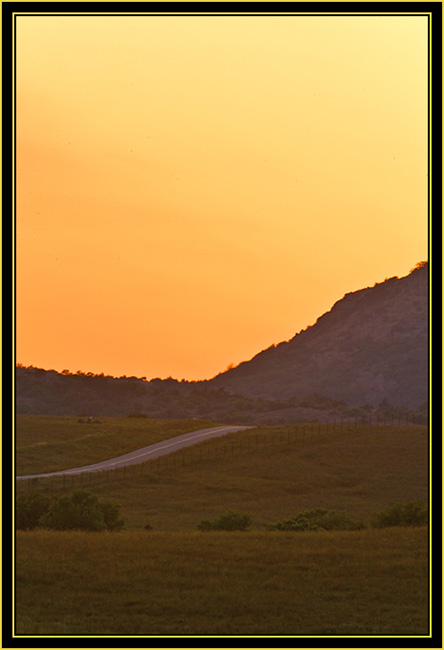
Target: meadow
268 472
255 583
176 580
49 443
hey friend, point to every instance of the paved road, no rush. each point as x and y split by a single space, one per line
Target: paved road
146 453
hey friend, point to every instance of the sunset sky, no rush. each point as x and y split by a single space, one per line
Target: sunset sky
193 189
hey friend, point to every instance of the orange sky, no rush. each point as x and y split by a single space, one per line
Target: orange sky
192 189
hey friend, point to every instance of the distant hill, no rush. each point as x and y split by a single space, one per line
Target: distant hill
372 345
47 392
368 354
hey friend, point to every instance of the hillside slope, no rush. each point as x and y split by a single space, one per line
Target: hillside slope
372 344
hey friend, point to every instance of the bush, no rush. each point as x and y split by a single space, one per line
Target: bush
413 513
341 520
79 510
29 509
319 519
231 520
111 515
296 523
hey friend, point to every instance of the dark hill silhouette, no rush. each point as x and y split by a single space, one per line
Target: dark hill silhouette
372 344
368 353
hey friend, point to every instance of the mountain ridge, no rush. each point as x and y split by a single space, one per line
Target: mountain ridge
368 352
374 339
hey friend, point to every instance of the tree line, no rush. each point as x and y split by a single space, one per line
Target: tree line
83 510
47 392
413 513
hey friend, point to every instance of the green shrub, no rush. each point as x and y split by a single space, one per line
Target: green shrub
29 508
340 520
296 523
111 515
319 519
79 510
230 520
413 513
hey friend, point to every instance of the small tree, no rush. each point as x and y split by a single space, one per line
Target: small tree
340 520
295 523
29 508
319 519
413 513
79 510
419 265
111 515
230 520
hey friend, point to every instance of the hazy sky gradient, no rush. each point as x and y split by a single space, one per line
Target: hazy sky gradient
191 190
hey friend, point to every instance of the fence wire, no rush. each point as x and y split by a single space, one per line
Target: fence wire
235 444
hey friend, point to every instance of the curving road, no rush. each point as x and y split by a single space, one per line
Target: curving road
146 453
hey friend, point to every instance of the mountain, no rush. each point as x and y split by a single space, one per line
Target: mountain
372 345
368 353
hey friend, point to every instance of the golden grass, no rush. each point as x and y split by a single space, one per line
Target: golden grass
370 582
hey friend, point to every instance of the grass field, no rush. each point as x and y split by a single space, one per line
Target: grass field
370 582
270 473
49 443
175 580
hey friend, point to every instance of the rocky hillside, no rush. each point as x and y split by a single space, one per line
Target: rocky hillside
372 345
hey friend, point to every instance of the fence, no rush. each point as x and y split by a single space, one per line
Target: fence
234 444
